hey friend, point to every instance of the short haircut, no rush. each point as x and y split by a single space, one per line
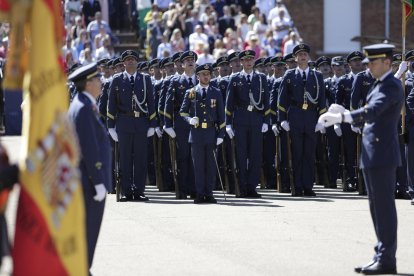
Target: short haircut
80 85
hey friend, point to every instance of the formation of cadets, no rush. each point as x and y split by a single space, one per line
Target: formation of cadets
239 123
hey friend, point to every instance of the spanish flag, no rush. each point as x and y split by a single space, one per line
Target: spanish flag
50 236
408 4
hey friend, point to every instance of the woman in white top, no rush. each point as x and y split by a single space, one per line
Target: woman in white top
88 57
73 8
261 26
100 37
243 28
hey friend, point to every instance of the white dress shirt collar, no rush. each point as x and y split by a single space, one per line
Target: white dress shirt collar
306 72
91 98
370 73
245 74
352 74
193 78
335 78
201 89
129 76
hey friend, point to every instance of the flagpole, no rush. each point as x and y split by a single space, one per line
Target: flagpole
403 59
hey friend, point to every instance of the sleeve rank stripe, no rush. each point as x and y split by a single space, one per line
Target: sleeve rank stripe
281 108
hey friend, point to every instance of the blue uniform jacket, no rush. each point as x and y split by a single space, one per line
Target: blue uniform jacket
238 93
157 92
102 100
409 110
95 165
380 144
274 95
362 84
343 94
330 90
121 88
291 87
163 94
221 83
214 105
173 100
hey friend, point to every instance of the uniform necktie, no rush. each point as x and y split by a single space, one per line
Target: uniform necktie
204 94
248 80
190 81
132 81
304 78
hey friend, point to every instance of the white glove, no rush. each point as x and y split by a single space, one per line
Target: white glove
230 131
401 70
158 131
193 121
265 127
328 119
170 131
319 127
150 132
113 134
100 192
219 141
356 129
336 108
285 125
275 129
338 130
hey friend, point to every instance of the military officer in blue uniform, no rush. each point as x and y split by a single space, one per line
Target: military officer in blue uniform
144 67
95 164
409 90
235 63
118 65
312 64
176 126
290 61
268 65
380 153
203 110
343 97
215 71
305 88
409 58
131 119
247 118
178 65
260 67
110 67
360 88
71 86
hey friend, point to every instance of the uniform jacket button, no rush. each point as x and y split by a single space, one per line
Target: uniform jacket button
376 139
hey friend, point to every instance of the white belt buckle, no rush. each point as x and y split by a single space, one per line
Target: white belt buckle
136 114
250 108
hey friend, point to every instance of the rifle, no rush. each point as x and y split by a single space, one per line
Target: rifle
234 168
117 173
173 152
226 168
325 162
277 165
359 171
262 169
157 162
291 169
344 166
315 168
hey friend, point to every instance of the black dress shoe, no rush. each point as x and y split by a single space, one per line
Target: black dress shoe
253 193
199 199
242 194
193 195
333 186
232 191
168 189
210 199
402 195
286 190
298 192
350 188
377 269
271 187
125 198
183 195
309 193
359 268
141 197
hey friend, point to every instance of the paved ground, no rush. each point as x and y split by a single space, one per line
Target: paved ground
274 235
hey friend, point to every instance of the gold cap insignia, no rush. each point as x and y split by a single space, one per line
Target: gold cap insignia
356 53
301 46
398 57
236 54
206 67
191 53
279 58
128 52
170 60
224 58
247 52
324 58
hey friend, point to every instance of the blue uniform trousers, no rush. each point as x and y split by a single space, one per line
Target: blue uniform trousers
303 152
249 141
284 162
112 142
402 172
269 152
184 161
334 145
409 154
133 154
229 159
204 167
350 140
93 217
166 161
150 160
380 184
319 158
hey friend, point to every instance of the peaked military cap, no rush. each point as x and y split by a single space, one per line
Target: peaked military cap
376 51
267 61
160 63
176 56
221 60
188 54
110 63
85 73
204 68
74 67
103 62
323 59
259 62
396 59
154 62
233 56
129 53
289 57
409 55
117 61
277 60
143 65
301 47
354 55
312 64
214 66
167 61
247 54
338 61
